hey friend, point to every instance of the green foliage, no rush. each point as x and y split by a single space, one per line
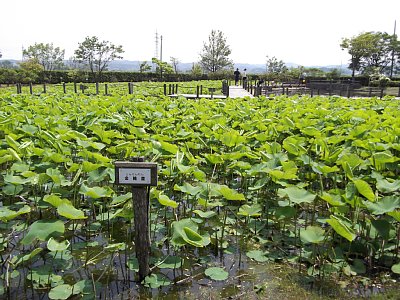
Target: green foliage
97 54
313 181
48 56
215 53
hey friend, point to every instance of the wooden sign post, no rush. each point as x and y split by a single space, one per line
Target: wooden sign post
140 175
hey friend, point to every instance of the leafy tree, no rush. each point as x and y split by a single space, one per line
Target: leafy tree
48 56
174 62
162 66
144 67
370 51
8 76
276 69
97 54
196 70
215 53
30 71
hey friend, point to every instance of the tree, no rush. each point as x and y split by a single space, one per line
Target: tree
97 54
174 62
215 53
144 67
370 51
276 69
30 70
48 56
162 66
196 70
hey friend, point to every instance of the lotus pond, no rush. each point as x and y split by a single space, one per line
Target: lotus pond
259 197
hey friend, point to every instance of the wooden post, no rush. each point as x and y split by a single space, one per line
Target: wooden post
30 88
201 89
370 92
142 232
17 85
176 88
165 89
130 88
75 88
97 88
197 92
106 88
64 88
381 93
398 95
44 88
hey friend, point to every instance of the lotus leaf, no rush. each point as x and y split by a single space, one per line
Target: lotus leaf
258 255
297 195
61 292
53 245
312 234
341 227
384 205
216 273
155 281
43 230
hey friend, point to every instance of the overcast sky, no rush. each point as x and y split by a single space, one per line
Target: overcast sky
306 32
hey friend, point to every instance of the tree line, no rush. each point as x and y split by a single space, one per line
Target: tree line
372 54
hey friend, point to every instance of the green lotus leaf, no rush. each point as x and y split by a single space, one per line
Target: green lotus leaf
216 273
61 292
382 227
166 201
29 129
285 212
170 262
297 195
396 268
70 212
364 189
250 211
171 148
230 194
341 227
7 214
188 189
121 199
53 245
185 232
15 180
14 154
332 199
395 215
96 192
312 234
21 258
384 205
258 255
155 281
43 230
205 214
385 186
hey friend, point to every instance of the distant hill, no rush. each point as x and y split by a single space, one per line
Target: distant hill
134 65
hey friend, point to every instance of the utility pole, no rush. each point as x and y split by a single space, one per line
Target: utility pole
392 65
161 70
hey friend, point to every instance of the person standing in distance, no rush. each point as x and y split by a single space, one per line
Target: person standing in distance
244 78
237 76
